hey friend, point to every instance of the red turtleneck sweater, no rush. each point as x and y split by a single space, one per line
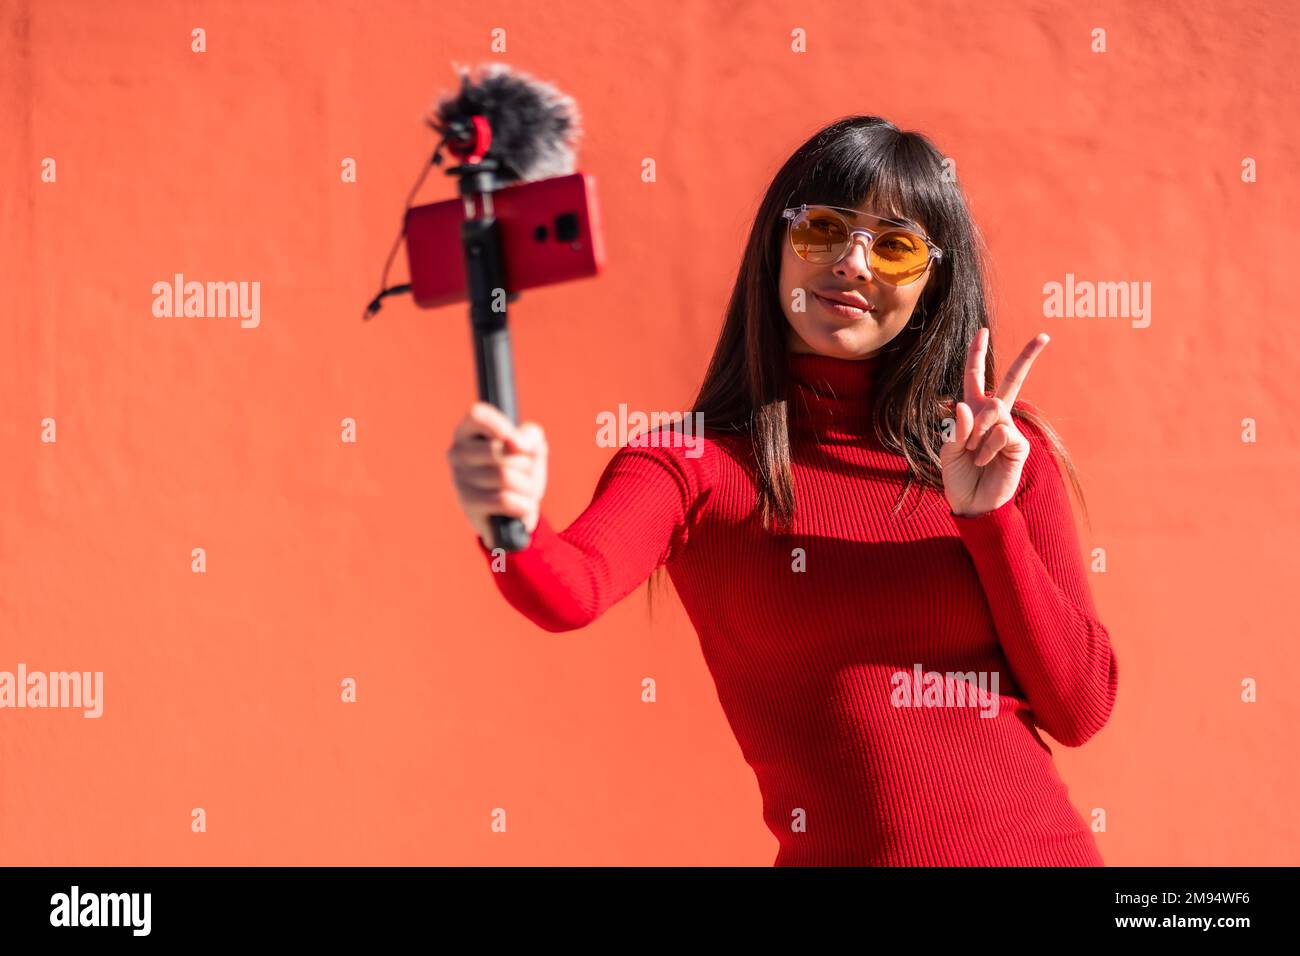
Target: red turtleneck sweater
856 658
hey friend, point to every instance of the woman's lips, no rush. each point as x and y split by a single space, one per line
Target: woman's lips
839 308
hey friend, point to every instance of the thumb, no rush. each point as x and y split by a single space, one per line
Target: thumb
529 438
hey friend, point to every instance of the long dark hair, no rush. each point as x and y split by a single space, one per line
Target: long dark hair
852 162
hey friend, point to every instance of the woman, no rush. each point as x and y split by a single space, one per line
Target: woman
886 651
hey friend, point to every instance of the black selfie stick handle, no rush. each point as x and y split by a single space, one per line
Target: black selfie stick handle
485 272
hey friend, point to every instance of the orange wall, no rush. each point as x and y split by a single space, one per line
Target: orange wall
329 560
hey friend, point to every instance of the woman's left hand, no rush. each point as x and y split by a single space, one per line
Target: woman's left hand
981 466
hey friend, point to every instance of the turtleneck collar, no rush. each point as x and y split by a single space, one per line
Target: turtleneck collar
831 397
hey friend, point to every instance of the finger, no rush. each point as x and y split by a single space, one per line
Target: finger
492 478
961 416
1010 386
999 437
529 444
486 421
974 377
529 437
501 502
475 451
988 416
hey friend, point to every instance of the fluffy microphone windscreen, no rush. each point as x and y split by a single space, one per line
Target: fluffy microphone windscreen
534 125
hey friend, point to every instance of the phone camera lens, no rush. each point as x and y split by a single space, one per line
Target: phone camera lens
566 227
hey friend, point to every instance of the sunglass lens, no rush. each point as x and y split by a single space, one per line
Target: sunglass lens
899 258
818 236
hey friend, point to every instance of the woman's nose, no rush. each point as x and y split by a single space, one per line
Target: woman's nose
854 263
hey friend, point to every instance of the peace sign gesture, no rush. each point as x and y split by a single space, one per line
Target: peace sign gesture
981 466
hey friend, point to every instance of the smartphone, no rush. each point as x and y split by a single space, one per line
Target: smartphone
550 232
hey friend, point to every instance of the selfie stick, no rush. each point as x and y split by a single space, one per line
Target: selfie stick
485 278
505 128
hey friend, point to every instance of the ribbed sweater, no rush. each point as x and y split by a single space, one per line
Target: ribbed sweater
855 657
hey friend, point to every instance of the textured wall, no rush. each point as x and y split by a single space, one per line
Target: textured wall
328 559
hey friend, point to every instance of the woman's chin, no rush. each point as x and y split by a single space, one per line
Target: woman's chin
849 342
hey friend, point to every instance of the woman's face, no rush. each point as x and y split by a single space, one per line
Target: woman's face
818 328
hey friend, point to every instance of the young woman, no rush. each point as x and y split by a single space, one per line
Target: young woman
873 540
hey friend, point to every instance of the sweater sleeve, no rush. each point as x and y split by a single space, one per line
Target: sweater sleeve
640 516
1026 553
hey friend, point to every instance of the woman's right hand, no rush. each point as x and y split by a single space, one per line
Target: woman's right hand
498 468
